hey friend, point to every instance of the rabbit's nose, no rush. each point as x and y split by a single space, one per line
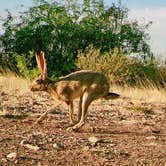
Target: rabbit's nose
32 88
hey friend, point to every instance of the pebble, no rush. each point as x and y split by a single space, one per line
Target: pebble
94 140
29 146
12 156
155 130
58 146
151 138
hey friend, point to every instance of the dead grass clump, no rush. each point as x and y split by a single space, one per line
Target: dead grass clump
15 84
121 69
12 83
144 95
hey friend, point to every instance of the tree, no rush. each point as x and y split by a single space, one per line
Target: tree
61 29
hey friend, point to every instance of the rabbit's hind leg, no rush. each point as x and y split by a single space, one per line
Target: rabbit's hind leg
87 98
70 107
80 109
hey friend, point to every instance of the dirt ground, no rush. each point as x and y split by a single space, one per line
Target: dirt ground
127 132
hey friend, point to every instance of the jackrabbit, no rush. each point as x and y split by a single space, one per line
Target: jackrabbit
85 84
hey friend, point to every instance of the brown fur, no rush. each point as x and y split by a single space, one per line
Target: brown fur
86 85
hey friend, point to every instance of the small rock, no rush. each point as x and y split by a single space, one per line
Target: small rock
29 146
94 140
58 146
32 147
111 145
23 142
151 138
151 144
155 130
128 122
12 156
4 160
50 140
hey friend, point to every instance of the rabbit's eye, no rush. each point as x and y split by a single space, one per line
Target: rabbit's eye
38 81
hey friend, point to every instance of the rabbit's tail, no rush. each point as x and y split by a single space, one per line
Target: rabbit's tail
111 95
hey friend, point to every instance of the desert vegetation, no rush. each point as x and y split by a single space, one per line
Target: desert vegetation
90 36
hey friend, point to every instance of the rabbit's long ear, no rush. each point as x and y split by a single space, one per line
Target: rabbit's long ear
40 58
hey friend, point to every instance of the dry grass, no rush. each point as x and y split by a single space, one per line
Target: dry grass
149 95
153 95
11 83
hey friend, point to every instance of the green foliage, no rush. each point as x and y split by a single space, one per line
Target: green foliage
119 68
65 30
23 66
59 30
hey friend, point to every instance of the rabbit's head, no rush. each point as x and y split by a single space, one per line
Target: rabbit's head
40 84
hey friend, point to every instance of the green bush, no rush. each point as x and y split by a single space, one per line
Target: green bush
24 66
58 30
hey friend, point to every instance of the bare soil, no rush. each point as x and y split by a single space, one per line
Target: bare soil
130 132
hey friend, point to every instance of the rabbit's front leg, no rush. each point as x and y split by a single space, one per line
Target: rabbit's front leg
70 107
86 100
80 109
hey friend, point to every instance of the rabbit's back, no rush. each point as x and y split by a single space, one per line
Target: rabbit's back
86 77
75 84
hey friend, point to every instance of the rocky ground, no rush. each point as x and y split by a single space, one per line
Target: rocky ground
119 132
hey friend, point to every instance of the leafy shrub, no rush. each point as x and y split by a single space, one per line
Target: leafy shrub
24 66
61 29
